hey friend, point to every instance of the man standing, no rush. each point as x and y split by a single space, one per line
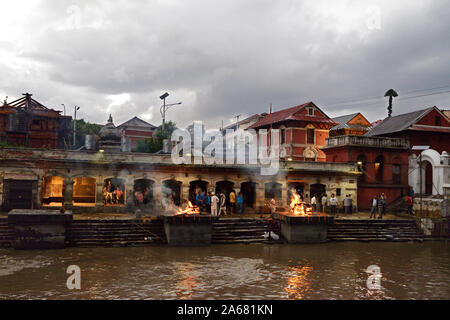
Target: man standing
214 203
314 203
324 202
409 202
232 201
223 205
240 203
333 203
373 212
381 206
347 204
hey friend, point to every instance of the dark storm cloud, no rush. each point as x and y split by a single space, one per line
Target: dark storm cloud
224 58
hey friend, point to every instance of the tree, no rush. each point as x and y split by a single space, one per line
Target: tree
84 128
391 94
155 143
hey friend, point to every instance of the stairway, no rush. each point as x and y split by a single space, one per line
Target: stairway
374 230
237 230
6 234
115 233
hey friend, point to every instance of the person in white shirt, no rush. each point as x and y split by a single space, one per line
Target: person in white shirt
333 204
324 202
214 202
314 203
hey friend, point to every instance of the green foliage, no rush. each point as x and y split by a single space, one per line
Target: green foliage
155 143
84 128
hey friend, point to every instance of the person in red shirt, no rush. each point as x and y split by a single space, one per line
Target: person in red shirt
409 202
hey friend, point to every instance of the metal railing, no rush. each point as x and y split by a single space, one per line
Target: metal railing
375 142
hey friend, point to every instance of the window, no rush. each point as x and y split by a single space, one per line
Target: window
338 192
310 111
379 168
310 136
437 121
396 173
283 136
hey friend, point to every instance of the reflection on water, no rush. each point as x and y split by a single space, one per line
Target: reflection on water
299 282
326 271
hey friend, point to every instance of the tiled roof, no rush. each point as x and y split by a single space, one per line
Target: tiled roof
346 118
136 122
289 114
397 123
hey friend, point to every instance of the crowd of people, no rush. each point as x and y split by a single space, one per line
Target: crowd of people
112 194
218 205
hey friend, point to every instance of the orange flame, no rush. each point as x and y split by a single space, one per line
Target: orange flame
298 208
190 209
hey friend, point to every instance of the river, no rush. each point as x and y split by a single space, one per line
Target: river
258 271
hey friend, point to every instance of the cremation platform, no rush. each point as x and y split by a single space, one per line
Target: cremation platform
188 230
305 228
39 229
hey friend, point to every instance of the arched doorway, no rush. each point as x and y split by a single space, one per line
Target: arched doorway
84 191
298 187
428 168
224 187
195 187
273 190
171 191
144 186
317 189
362 163
52 191
379 168
114 191
248 190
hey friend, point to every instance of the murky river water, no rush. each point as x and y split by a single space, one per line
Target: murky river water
326 271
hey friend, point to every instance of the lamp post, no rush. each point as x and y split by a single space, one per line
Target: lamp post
75 125
165 107
421 149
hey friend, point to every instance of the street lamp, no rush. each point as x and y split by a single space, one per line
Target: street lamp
75 125
420 148
165 107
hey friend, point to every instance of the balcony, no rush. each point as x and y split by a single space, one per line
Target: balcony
371 142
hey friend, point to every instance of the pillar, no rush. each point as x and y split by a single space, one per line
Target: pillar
68 193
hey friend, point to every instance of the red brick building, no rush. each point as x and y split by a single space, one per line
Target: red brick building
136 129
383 152
303 131
26 122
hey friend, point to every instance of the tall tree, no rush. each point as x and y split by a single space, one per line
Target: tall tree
155 143
391 94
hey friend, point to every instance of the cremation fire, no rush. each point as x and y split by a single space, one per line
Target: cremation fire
298 207
190 209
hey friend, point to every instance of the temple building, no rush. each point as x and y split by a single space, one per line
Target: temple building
387 162
303 131
26 122
94 181
354 124
135 130
109 137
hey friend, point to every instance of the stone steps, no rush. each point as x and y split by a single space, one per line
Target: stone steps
237 230
6 234
104 233
374 230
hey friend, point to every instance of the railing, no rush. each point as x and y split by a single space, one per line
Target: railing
376 142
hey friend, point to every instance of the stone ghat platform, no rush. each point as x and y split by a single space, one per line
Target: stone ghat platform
150 232
311 228
188 229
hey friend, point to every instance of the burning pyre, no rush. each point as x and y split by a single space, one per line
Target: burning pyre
299 208
190 209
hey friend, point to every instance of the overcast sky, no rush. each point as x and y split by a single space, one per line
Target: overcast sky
223 58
